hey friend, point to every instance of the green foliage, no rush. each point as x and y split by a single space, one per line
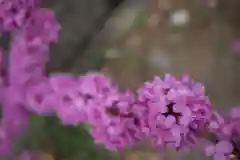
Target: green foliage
67 142
141 20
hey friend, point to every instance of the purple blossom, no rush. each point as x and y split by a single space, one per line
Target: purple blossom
14 119
95 84
70 104
5 147
40 98
219 126
33 29
234 122
71 111
235 113
1 69
15 13
170 112
225 128
235 47
15 116
5 142
65 83
74 94
27 155
221 151
173 110
42 27
27 67
113 122
29 50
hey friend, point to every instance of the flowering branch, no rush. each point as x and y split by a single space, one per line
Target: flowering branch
172 113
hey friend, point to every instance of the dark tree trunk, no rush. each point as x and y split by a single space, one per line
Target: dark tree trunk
81 21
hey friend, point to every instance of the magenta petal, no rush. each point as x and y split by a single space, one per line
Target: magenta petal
224 147
210 150
169 121
219 157
235 112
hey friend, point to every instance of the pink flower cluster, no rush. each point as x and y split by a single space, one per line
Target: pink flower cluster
32 29
171 112
175 109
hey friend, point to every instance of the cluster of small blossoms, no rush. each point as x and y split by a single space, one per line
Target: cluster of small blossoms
32 29
15 13
67 95
221 150
113 121
171 112
29 48
14 118
227 133
91 99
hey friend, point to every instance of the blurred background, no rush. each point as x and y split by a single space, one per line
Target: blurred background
133 40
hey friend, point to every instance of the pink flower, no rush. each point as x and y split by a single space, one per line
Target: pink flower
40 98
235 47
15 13
221 151
113 122
173 108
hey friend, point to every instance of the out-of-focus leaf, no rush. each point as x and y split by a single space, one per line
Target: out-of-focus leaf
85 126
66 141
141 20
